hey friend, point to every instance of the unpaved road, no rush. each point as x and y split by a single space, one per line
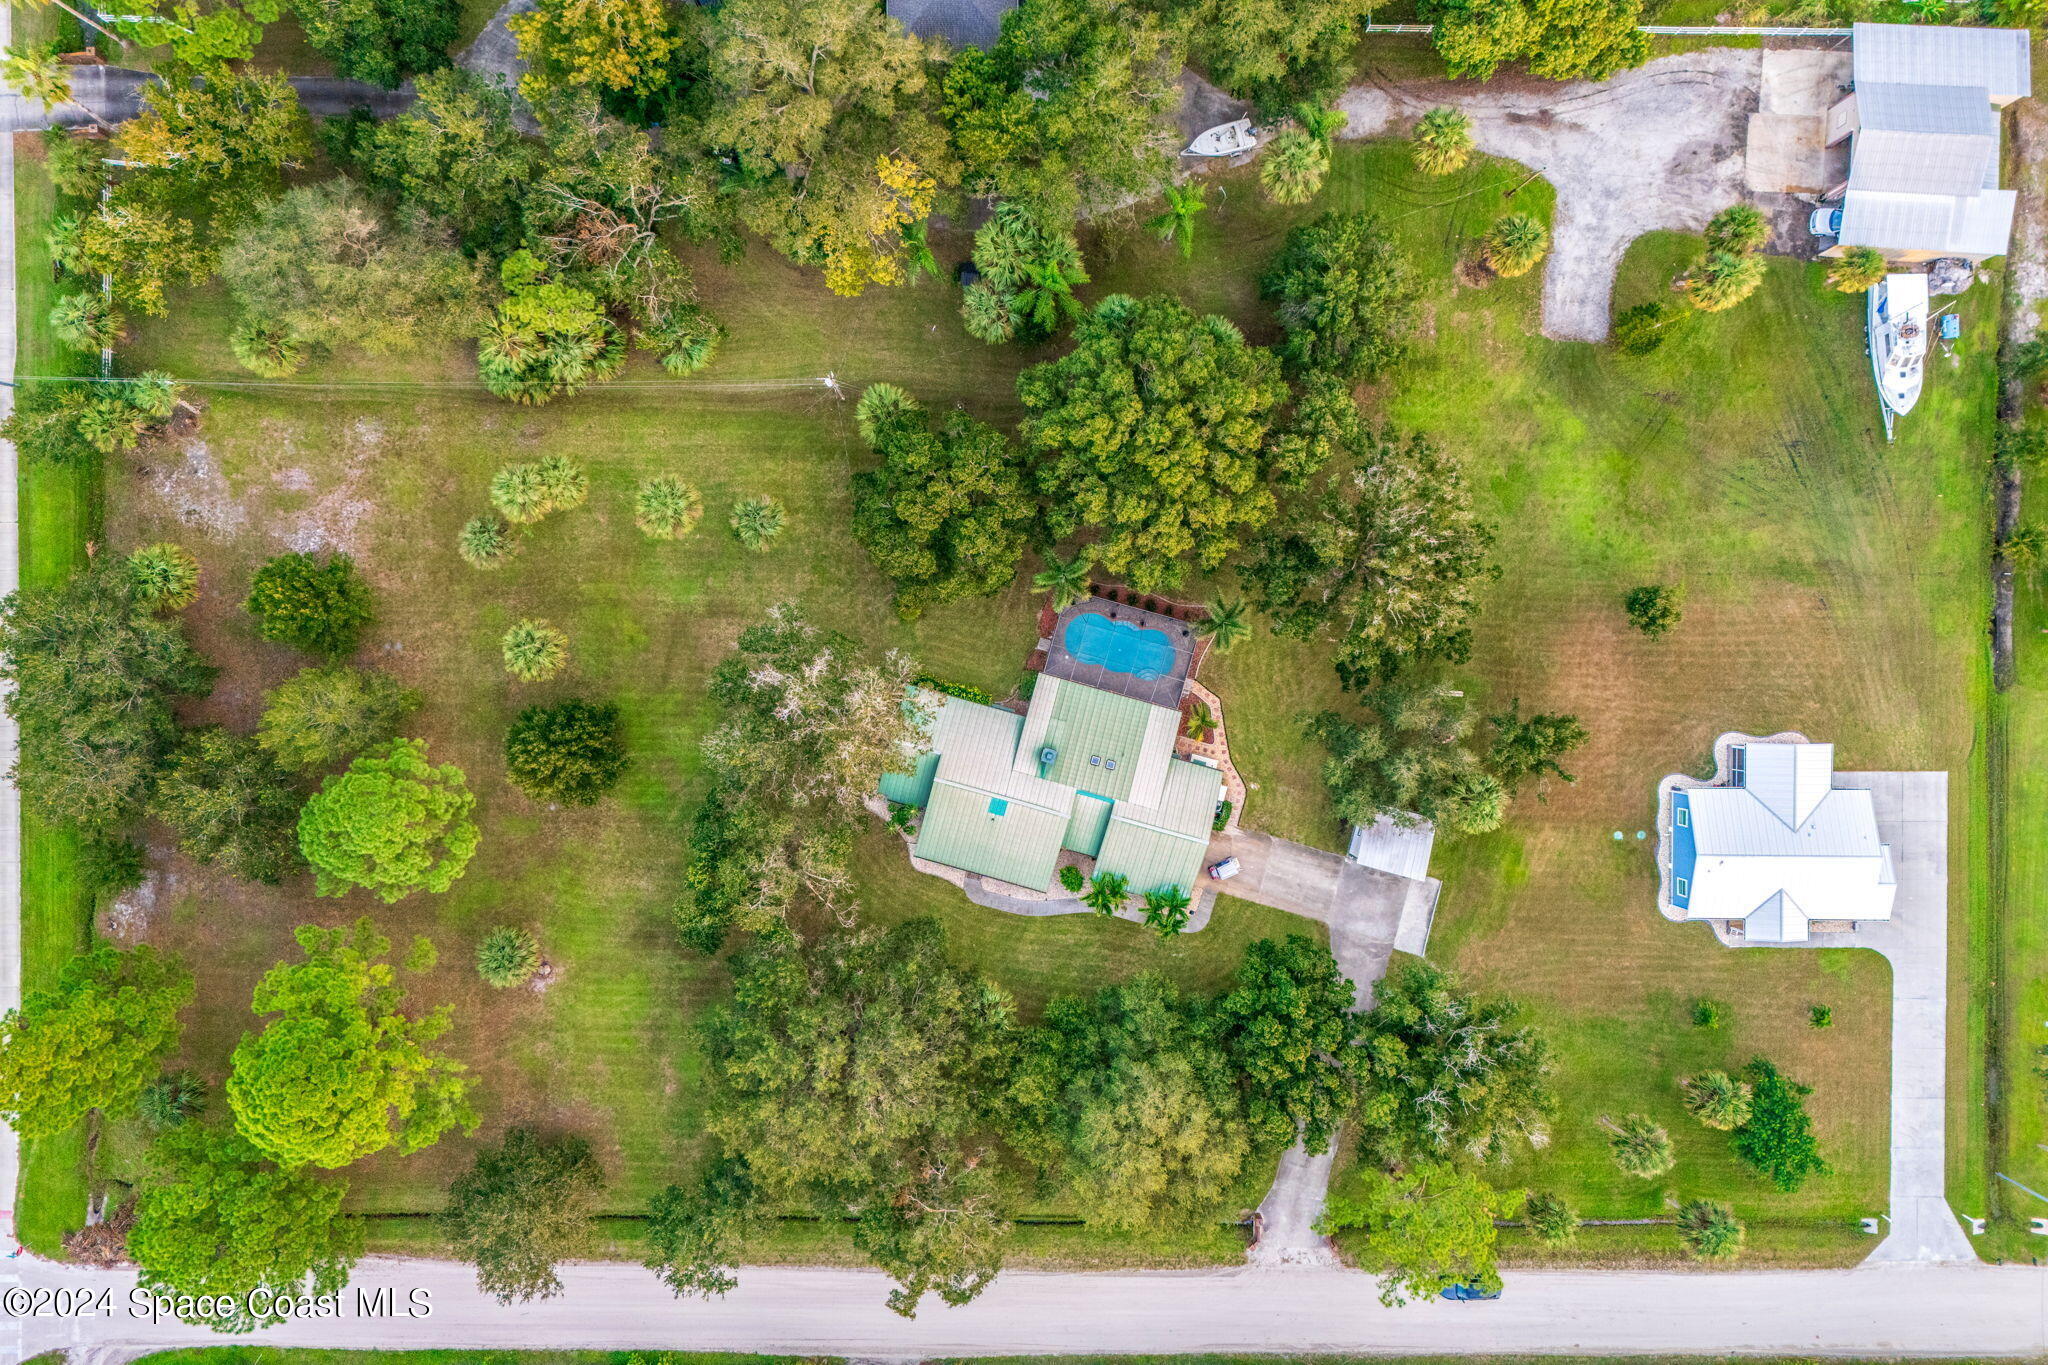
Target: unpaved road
1658 147
1917 1310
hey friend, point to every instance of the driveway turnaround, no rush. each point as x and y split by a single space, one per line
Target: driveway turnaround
1888 1310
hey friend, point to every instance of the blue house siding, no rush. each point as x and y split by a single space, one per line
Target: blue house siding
1683 852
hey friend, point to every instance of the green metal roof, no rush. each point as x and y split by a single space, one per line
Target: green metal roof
1085 830
912 788
1006 838
1150 858
1102 740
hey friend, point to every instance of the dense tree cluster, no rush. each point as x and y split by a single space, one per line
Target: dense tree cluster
92 1041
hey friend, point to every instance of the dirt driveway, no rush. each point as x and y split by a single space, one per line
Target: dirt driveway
1658 147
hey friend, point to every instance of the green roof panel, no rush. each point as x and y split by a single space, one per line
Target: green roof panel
1090 822
1099 737
912 788
1010 840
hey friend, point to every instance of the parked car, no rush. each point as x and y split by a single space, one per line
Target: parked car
1466 1293
1226 869
1825 222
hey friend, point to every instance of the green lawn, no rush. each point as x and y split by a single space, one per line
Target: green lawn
1832 587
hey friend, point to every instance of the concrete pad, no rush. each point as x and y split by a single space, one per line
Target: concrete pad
1784 154
1802 81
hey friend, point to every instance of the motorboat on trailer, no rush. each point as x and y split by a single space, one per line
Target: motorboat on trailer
1898 341
1225 139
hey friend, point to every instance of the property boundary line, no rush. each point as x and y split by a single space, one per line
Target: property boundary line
1672 30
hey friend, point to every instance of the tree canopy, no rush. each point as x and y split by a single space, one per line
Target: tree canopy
213 1217
95 672
1426 1227
1152 433
1345 297
946 514
1445 1075
92 1041
522 1209
228 803
381 41
341 1073
1287 1026
1409 758
320 716
1561 40
570 752
393 824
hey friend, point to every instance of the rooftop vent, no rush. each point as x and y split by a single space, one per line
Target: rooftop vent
1109 764
1095 760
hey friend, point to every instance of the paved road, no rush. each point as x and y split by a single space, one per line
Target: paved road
10 578
1891 1310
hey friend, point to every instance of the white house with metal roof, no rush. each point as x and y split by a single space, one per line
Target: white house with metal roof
1923 115
1776 847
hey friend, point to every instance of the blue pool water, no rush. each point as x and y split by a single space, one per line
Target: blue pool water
1119 646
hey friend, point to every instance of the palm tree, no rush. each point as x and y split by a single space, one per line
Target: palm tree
757 521
1065 579
1320 121
988 313
535 651
1738 230
563 482
165 575
1166 909
881 405
1177 224
1723 280
1514 244
1710 1230
666 507
87 321
1293 167
1859 269
2025 547
484 542
917 250
36 74
1045 288
1717 1099
1640 1145
1107 893
1443 142
1225 625
520 494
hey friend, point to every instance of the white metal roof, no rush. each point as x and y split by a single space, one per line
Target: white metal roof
1393 847
1978 225
1787 846
1943 54
1921 163
1926 108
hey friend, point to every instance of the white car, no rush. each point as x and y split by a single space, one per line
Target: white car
1226 869
1825 222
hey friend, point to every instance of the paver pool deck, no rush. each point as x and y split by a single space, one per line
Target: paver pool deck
1164 689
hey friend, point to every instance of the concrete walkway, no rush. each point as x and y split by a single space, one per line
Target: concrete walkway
10 799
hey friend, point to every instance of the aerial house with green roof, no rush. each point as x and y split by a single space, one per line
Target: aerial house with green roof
1086 769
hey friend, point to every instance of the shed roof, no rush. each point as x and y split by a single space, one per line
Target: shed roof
1942 54
1926 108
1390 846
1976 226
1921 162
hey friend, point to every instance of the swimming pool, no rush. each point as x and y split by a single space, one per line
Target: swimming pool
1119 646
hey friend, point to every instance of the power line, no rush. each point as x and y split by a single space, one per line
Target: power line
827 382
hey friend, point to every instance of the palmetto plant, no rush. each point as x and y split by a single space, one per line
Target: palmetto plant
1443 141
87 321
1293 167
1515 243
268 350
1723 280
1639 1145
1226 625
1107 893
563 482
1065 579
1860 269
881 406
666 507
172 1098
757 521
1320 121
165 575
520 494
1717 1099
535 651
1183 204
989 314
1710 1231
485 542
1738 230
507 957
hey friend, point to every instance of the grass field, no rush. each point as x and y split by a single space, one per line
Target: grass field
1831 583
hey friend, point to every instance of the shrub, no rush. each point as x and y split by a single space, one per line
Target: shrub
1071 879
1639 1145
1860 269
1293 166
1716 1099
1443 142
87 321
1778 1142
507 957
571 752
109 865
535 651
1710 1014
1710 1231
757 521
321 716
1223 809
422 956
687 340
268 350
1640 330
964 691
2025 445
485 542
1738 230
1551 1221
520 494
1514 244
171 1099
1654 609
322 608
1820 1016
666 508
165 575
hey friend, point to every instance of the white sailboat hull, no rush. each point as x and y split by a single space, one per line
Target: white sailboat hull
1897 320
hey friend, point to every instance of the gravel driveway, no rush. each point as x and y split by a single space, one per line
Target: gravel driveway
1658 147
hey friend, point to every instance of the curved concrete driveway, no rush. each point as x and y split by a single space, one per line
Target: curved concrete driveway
1661 146
1879 1311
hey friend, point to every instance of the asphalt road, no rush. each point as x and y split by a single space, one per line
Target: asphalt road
1889 1311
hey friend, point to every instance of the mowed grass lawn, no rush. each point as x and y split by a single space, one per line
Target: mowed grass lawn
1833 587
